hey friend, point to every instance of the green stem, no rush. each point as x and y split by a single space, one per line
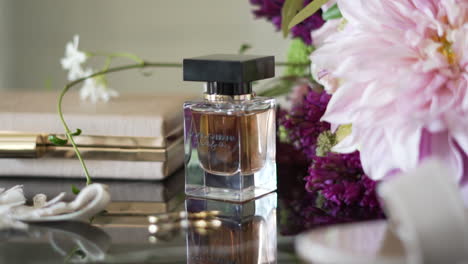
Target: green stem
116 54
70 136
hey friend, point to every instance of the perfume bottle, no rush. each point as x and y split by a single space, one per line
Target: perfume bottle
247 233
230 134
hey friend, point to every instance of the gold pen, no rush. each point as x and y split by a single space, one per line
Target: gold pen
30 145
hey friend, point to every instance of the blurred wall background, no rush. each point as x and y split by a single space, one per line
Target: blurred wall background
33 35
4 43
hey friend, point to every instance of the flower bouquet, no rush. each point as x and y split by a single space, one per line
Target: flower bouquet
388 90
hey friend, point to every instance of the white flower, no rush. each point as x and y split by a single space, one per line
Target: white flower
96 91
73 59
92 89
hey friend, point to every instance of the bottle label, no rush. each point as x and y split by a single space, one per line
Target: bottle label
214 141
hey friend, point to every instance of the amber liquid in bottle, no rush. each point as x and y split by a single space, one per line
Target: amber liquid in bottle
247 233
228 144
228 244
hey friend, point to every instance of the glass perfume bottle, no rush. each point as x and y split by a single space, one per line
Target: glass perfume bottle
230 135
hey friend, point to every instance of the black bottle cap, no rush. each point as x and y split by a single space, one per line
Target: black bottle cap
229 74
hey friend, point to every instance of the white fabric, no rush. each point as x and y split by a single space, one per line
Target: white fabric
13 211
427 213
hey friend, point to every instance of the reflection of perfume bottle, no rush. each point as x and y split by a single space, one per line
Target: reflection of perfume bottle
230 135
247 233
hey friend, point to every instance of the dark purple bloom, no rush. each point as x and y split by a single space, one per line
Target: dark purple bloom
340 179
300 209
271 10
303 213
303 122
304 29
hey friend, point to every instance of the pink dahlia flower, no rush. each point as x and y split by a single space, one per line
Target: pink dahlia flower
402 70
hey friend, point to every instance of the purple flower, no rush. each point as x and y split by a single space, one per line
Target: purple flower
301 210
304 29
271 10
303 122
340 179
302 213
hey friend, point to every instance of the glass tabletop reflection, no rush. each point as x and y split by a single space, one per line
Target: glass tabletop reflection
154 222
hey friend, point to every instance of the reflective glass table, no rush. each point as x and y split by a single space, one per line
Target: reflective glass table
153 222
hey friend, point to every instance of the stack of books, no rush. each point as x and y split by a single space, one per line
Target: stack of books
135 136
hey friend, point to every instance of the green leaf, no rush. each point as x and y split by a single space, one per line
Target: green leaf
343 131
298 53
332 13
77 132
320 200
309 10
75 190
244 47
289 10
57 141
283 134
325 142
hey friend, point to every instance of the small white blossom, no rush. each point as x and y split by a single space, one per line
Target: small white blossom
96 91
92 89
73 59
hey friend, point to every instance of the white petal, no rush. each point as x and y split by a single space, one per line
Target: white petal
76 41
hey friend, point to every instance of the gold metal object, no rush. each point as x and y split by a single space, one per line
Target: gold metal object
201 221
162 222
26 145
222 97
154 219
21 145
